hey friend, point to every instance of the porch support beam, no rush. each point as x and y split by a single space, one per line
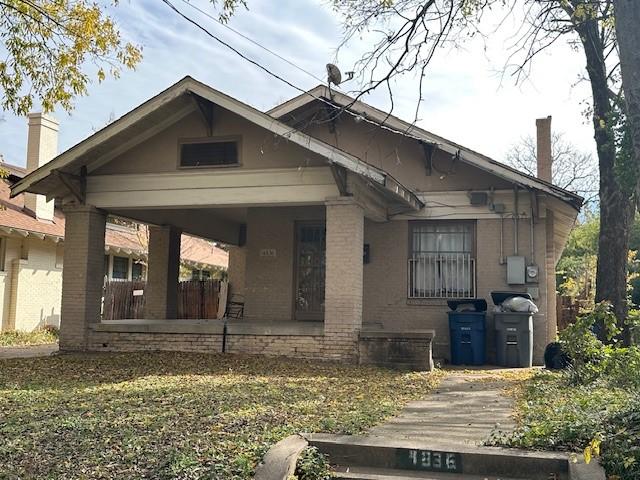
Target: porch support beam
162 276
369 199
82 276
343 278
205 188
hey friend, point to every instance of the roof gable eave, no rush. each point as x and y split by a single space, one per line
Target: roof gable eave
190 85
401 127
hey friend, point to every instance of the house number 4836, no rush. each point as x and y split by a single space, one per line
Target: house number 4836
430 460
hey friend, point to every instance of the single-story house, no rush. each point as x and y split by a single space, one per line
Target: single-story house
348 227
32 244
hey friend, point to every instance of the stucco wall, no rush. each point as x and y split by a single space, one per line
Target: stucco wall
403 158
258 147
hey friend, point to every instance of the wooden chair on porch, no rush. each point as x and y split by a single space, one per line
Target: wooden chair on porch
235 306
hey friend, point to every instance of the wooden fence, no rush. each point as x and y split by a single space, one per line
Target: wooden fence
567 310
125 299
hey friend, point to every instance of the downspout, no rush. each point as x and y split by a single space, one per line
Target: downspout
533 250
515 221
502 239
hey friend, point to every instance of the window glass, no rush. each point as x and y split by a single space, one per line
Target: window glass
208 154
441 260
137 271
120 268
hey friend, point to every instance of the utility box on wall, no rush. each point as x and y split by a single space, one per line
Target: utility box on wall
516 270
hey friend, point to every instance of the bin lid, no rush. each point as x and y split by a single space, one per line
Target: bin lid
480 304
498 297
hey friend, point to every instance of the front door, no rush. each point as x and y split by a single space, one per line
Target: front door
309 271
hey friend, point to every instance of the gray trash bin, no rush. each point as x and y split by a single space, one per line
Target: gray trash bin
514 333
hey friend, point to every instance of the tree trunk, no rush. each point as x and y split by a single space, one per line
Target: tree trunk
616 208
627 16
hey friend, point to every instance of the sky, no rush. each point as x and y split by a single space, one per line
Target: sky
466 99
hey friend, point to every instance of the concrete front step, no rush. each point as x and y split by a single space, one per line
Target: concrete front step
431 460
364 473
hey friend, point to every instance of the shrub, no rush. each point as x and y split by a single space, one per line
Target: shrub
593 406
313 465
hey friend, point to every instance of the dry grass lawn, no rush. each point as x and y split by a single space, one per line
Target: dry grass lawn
179 416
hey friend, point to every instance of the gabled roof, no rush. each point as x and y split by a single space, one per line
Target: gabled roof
82 151
322 94
166 107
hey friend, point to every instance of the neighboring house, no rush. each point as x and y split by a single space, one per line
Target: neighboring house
32 248
350 229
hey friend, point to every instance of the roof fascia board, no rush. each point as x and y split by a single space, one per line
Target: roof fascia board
402 127
298 101
20 232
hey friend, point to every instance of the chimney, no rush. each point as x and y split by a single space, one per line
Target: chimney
543 149
42 147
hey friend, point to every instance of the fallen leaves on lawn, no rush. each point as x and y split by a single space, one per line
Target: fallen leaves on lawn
179 416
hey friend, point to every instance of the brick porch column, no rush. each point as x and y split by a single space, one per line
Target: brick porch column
163 268
343 278
82 275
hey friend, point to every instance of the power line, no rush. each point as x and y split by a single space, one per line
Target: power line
345 108
231 47
249 39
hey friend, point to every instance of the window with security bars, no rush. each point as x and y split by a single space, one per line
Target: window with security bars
441 260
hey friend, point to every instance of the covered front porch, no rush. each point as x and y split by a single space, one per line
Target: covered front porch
296 241
192 160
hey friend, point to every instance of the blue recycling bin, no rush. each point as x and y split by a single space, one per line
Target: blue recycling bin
467 331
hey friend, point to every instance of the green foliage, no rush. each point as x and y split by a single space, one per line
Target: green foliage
576 270
37 337
313 465
51 46
593 407
176 415
579 340
228 8
626 167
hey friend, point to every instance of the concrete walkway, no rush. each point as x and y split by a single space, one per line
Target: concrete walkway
28 351
463 410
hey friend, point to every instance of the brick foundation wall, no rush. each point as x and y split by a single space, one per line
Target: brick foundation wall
299 346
